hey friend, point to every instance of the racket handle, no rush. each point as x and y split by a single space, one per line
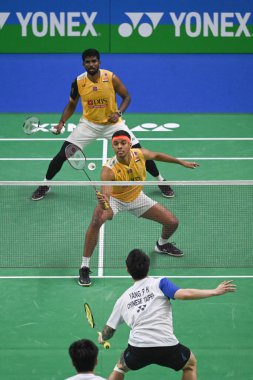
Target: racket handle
106 344
106 205
54 130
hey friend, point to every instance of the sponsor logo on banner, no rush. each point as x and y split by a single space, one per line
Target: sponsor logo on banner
145 127
71 24
3 18
144 28
163 27
152 127
194 24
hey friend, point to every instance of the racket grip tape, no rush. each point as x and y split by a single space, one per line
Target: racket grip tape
106 344
106 205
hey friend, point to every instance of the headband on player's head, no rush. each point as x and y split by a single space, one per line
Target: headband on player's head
122 138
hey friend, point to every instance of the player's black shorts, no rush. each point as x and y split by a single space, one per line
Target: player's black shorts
174 357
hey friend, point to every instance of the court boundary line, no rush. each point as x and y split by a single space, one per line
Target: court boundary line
123 277
129 183
139 138
102 228
101 159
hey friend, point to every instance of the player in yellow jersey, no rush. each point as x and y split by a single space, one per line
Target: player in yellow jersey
97 89
128 164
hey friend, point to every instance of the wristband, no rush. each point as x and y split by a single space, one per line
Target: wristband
117 369
119 112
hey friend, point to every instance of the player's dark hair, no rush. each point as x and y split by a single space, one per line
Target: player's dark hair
137 263
83 354
121 133
90 53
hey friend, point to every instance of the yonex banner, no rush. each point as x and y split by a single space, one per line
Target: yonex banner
135 26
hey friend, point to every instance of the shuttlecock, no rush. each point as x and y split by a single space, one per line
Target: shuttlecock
92 166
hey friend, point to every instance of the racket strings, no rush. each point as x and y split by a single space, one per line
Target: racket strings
91 321
31 125
75 157
77 160
89 316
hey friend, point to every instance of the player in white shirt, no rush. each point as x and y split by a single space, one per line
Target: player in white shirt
84 355
146 308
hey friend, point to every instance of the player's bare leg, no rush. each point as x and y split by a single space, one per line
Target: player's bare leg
190 369
91 238
119 370
99 217
160 214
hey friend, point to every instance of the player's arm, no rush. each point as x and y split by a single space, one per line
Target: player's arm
157 156
122 91
113 322
107 333
70 107
106 175
196 294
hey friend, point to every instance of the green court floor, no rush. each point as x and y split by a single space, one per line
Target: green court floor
42 242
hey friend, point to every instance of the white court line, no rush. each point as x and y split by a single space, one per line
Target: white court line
197 138
41 159
145 139
115 277
27 139
102 228
101 159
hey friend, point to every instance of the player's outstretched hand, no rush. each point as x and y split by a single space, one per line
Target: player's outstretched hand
191 165
225 287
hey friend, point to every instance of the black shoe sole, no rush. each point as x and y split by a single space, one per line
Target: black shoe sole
167 196
168 253
38 199
84 284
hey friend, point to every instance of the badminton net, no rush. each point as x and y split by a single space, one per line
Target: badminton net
215 226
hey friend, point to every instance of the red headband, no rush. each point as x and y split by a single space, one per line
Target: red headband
122 138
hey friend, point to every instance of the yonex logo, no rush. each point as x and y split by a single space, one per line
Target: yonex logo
153 127
145 127
3 18
141 308
139 21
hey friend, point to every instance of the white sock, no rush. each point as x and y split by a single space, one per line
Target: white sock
162 241
116 368
160 178
85 262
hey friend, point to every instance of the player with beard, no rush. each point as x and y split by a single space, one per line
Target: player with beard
97 89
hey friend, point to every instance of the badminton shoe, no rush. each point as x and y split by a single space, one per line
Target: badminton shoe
40 193
84 276
166 190
168 249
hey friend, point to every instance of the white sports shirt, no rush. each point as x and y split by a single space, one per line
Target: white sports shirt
85 376
145 307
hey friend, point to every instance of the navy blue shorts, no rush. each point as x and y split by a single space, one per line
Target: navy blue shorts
174 357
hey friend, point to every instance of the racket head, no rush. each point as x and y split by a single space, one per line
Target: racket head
89 315
31 125
75 157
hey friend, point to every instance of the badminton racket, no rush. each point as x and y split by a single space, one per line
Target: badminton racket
77 159
92 324
32 125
